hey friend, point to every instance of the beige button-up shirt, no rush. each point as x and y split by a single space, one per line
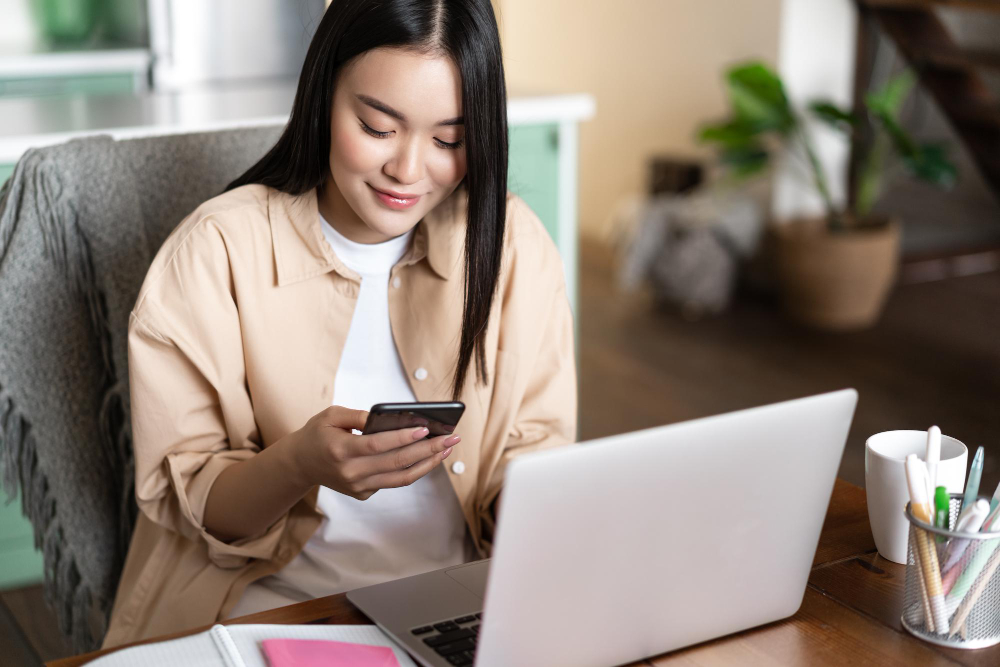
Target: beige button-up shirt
235 340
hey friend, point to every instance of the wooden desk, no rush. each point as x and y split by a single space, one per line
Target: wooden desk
850 613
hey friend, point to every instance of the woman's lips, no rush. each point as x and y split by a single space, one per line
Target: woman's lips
393 201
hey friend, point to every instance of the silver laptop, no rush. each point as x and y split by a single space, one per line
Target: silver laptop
634 545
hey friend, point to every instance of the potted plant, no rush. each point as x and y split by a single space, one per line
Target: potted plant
836 271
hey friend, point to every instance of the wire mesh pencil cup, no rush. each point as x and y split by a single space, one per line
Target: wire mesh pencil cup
959 606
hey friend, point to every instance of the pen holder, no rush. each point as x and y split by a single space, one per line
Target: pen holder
952 595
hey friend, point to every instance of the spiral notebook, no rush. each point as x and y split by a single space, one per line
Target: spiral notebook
240 646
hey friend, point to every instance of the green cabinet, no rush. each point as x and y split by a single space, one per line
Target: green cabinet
542 171
98 84
20 563
533 173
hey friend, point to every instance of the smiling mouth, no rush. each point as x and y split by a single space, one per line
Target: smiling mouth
395 200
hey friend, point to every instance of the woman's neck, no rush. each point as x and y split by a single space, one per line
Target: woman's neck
336 211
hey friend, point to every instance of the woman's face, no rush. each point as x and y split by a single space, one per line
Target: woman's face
397 142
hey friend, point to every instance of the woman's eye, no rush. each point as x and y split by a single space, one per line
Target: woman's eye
445 144
382 135
372 131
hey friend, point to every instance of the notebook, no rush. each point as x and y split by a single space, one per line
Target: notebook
240 646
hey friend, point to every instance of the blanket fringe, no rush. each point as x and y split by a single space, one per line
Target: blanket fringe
73 600
64 590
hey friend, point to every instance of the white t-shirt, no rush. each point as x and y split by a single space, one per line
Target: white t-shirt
396 532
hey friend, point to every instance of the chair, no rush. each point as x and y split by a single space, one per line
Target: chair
79 225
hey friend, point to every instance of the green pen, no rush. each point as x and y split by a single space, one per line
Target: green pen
941 509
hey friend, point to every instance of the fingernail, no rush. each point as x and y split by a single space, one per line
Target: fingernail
447 452
452 441
420 433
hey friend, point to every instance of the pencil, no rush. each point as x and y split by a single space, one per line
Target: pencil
970 600
928 616
916 481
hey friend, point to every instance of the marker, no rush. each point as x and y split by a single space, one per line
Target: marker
933 456
916 480
975 474
941 507
971 522
964 513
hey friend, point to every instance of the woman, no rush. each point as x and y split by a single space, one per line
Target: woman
373 255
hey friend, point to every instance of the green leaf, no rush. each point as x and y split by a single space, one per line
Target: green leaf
901 140
729 133
889 99
747 160
758 98
870 175
833 115
930 163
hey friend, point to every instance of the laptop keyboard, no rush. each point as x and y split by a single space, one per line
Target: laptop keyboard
453 640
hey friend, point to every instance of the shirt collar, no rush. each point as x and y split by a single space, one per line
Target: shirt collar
301 251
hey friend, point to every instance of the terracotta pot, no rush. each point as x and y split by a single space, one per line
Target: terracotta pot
836 280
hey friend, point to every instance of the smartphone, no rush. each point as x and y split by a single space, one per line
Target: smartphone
439 418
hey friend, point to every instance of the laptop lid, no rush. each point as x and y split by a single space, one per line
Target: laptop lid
633 545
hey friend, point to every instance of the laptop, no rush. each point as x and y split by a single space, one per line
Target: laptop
634 545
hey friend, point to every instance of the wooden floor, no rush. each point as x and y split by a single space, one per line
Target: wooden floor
933 359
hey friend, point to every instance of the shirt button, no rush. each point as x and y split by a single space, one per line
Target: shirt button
458 467
420 373
396 282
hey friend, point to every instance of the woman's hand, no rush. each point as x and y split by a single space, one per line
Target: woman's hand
327 453
249 496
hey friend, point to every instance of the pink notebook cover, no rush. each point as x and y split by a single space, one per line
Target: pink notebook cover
323 653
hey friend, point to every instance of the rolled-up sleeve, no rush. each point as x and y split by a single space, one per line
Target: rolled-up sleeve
192 415
182 443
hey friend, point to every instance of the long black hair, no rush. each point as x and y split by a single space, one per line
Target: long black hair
467 31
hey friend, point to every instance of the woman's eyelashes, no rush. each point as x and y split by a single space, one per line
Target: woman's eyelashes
372 131
385 135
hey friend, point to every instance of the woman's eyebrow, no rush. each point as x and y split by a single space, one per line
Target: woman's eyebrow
389 111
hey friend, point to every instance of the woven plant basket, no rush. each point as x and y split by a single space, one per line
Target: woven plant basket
836 280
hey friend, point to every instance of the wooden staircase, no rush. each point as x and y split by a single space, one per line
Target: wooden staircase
951 74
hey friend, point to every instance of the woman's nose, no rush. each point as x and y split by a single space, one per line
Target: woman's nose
407 166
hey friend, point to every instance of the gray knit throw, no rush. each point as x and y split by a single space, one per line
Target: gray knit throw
79 225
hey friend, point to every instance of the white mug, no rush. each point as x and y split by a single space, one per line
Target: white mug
885 483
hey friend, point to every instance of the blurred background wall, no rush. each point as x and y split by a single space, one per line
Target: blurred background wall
654 67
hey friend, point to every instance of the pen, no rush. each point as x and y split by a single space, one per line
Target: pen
916 480
933 457
996 499
975 473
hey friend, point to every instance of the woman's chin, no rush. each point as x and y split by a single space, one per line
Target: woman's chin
395 225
